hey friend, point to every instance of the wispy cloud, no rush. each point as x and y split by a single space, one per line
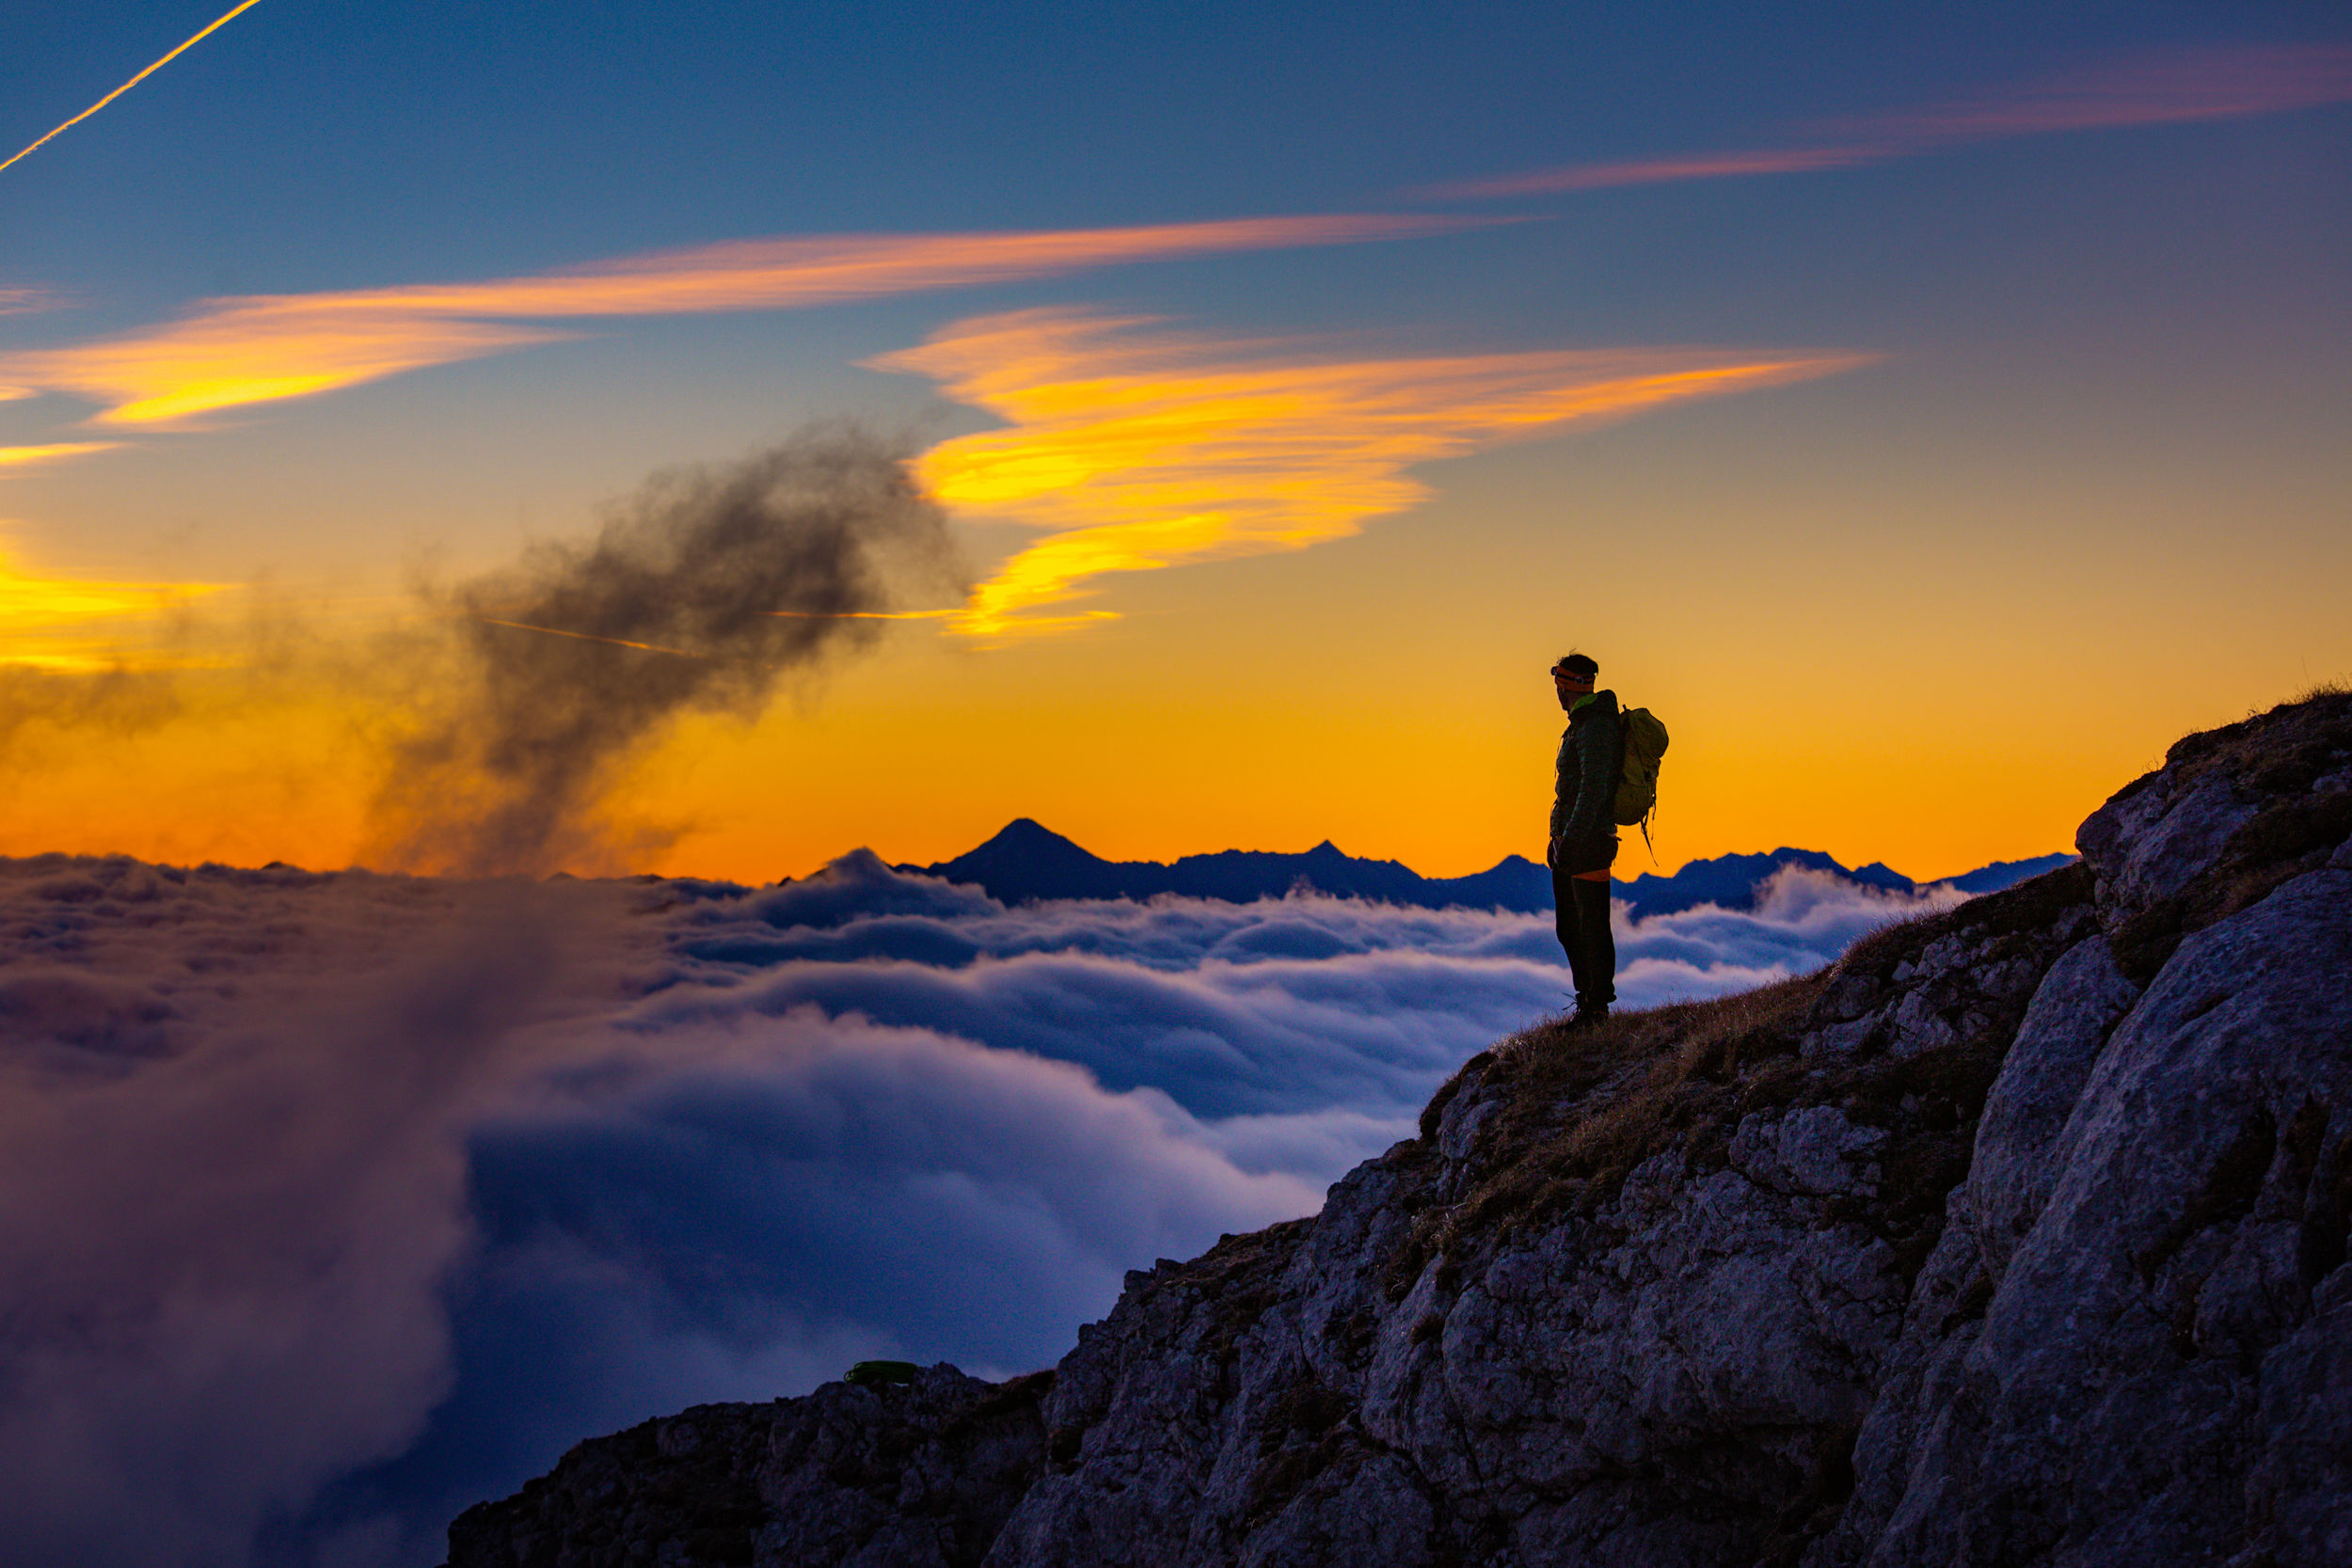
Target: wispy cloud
34 609
1143 448
134 82
245 350
16 302
17 457
2148 89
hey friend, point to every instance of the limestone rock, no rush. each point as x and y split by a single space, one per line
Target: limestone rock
2065 1029
2110 1407
2017 1237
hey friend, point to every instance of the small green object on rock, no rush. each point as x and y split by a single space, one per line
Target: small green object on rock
873 1374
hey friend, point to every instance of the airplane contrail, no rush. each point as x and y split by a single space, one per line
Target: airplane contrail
134 82
866 614
590 637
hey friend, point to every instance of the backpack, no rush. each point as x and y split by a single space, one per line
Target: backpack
1642 740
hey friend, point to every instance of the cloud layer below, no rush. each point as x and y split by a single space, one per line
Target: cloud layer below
333 1203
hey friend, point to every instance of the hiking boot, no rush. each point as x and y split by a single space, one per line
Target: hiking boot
1589 1017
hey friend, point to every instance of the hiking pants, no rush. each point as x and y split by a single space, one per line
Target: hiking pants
1582 915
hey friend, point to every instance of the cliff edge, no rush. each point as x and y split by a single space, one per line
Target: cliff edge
2017 1236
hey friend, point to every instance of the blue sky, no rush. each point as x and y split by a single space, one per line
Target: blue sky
2077 351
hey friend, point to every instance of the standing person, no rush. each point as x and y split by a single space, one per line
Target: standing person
1583 834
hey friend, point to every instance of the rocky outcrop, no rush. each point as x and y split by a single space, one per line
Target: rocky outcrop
920 1475
2018 1236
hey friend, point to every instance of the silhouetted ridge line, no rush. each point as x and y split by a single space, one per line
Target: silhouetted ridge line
1026 862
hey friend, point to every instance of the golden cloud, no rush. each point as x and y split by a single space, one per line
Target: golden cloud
1141 450
236 352
24 456
34 610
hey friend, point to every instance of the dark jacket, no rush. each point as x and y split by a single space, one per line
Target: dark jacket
1583 834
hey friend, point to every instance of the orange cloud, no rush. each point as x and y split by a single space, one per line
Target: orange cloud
33 611
236 352
1143 450
1658 171
19 456
2151 89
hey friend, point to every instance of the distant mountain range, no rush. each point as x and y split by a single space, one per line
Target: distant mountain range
1028 861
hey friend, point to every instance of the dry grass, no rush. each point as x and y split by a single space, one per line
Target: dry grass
2280 751
1582 1108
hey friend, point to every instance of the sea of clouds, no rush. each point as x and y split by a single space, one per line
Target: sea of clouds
332 1203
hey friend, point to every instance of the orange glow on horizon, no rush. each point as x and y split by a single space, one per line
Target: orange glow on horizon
39 615
240 351
1143 452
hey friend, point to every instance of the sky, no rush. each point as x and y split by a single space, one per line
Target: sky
1929 419
334 1203
483 442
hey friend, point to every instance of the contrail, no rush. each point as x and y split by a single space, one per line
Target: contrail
591 637
866 614
134 82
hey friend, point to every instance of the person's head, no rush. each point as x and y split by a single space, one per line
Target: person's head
1572 678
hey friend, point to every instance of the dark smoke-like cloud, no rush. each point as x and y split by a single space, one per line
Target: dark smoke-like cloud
702 595
44 706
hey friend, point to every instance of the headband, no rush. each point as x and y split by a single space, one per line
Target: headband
1571 680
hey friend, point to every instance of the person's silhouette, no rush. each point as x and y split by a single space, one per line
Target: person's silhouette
1583 839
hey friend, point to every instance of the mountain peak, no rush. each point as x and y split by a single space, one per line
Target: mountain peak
1028 834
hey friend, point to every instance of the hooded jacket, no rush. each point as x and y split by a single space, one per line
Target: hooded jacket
1585 787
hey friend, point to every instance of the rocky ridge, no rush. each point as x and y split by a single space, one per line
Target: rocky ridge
2017 1236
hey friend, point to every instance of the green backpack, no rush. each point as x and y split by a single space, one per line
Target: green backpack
1644 739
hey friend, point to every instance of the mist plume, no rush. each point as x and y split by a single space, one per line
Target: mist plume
121 701
700 594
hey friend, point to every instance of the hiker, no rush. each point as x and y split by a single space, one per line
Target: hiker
1583 834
